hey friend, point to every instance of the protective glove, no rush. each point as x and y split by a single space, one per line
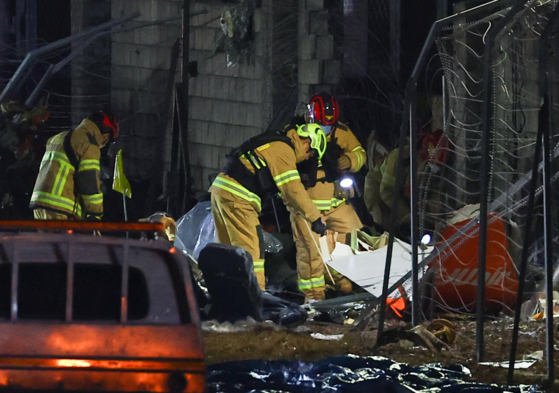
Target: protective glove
344 163
319 227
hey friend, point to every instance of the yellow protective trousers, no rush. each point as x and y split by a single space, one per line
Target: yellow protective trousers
236 224
310 266
45 214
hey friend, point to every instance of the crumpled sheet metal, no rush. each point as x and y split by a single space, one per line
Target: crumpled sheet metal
346 374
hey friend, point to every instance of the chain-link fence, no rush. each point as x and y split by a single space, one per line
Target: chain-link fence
474 157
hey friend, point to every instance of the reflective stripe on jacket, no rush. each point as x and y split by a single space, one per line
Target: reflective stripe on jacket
322 193
281 159
59 187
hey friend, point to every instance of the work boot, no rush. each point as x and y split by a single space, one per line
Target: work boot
314 295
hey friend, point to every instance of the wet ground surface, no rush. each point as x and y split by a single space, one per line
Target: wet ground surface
243 341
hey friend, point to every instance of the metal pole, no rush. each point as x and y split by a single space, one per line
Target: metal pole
125 209
526 244
183 113
414 203
484 177
390 246
548 242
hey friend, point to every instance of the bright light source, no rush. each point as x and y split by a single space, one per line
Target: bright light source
426 239
346 182
73 363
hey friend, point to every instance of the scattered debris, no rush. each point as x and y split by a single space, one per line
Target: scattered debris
435 336
519 364
320 336
538 355
247 325
541 308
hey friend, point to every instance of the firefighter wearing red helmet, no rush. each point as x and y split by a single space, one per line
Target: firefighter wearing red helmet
68 186
344 154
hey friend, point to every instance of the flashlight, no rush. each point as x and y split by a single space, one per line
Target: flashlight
346 182
426 239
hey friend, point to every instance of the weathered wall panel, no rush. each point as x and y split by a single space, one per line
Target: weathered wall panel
140 69
226 102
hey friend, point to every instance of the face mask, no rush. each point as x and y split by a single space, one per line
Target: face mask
327 129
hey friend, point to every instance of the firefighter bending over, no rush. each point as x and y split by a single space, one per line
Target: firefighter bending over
68 184
260 168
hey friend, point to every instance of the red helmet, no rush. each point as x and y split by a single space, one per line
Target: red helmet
324 109
435 147
110 120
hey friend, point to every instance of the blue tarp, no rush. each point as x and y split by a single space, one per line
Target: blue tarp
346 374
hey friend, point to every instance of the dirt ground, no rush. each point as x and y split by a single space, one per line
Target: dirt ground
244 341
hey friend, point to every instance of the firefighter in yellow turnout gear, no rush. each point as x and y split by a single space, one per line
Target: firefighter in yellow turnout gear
346 155
68 184
260 168
380 183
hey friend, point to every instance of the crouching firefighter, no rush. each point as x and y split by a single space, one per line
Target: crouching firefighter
344 154
68 184
260 168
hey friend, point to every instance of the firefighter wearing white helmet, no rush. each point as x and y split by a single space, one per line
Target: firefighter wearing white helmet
258 169
343 154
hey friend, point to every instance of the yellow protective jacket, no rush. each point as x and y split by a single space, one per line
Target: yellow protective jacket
322 193
282 161
62 187
388 183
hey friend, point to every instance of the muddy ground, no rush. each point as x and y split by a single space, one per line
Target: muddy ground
244 341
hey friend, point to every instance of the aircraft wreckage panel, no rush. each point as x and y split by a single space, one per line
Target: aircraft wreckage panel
366 269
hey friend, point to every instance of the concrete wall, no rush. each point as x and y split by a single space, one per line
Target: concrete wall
318 69
227 104
141 59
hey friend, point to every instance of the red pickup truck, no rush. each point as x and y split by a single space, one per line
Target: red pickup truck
97 313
